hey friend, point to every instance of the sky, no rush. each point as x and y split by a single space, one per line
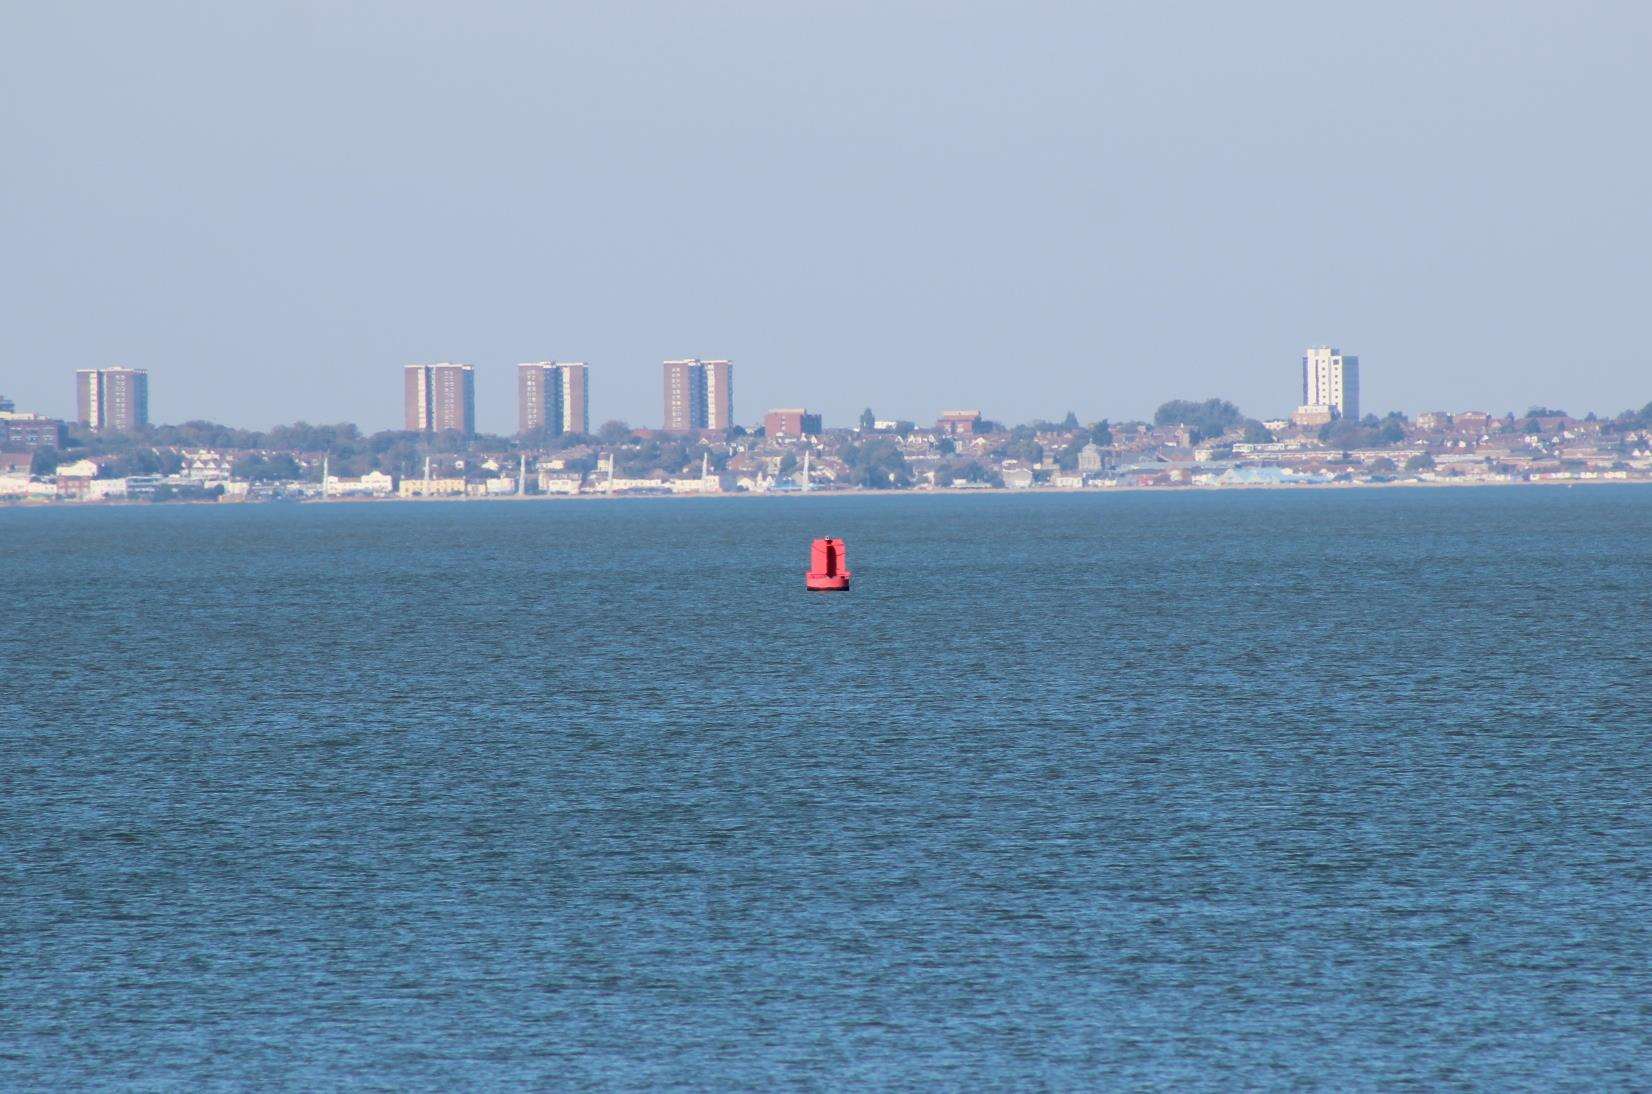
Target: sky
1024 207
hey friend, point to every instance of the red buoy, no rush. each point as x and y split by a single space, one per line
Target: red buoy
828 566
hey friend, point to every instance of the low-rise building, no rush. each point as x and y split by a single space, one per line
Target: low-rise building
432 488
632 486
959 423
143 486
708 484
554 480
205 465
30 431
374 484
78 469
791 422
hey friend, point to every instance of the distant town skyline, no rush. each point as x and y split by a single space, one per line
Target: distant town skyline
698 395
1029 210
495 399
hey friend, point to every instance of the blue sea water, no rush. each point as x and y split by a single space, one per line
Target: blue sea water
1345 789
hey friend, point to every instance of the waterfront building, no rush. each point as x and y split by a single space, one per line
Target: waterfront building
791 422
553 396
698 395
374 484
439 398
553 480
1331 378
955 423
114 399
445 487
1091 458
1018 478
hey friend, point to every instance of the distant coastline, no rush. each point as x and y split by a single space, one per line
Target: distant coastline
845 492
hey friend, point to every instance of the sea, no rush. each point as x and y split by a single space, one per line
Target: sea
1336 789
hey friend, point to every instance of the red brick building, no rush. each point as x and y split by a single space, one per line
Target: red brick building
791 422
27 433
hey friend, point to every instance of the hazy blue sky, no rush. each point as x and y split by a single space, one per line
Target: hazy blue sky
1022 207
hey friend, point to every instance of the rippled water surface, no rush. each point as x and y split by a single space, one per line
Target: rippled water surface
1345 788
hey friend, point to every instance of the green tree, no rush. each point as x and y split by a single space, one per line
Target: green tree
196 434
304 437
1422 461
139 461
1025 449
877 464
545 438
1070 421
1211 418
1366 433
44 461
274 468
614 431
968 470
1067 458
1102 433
868 420
583 464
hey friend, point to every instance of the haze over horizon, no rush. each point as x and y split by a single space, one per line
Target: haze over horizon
1030 209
